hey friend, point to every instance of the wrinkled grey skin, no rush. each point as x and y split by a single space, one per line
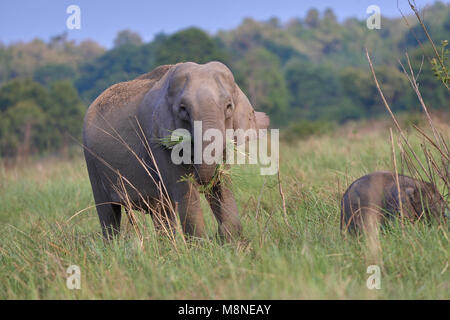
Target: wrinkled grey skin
128 115
373 198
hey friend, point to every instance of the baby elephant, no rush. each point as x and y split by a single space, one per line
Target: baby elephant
373 198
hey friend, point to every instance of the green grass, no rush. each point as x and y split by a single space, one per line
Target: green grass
309 260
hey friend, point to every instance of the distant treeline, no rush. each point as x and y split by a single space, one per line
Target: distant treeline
305 69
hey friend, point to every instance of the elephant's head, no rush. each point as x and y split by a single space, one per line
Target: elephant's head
426 200
191 92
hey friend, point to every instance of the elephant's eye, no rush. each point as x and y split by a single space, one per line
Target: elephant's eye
184 114
229 109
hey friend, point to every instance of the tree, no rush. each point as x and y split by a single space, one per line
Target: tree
89 50
22 117
23 89
65 113
313 87
23 59
24 120
33 119
190 44
360 88
329 16
127 37
433 92
312 18
119 64
58 41
274 22
264 83
53 72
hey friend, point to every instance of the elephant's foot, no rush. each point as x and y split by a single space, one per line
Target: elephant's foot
231 230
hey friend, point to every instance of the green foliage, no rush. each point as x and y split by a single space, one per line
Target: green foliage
127 38
360 87
116 65
434 93
126 62
439 65
65 113
22 115
312 86
53 72
23 59
23 89
33 118
312 18
21 126
325 68
309 68
263 81
191 44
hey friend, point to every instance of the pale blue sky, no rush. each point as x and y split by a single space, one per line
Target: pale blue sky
23 20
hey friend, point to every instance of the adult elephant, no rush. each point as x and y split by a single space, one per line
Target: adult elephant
129 166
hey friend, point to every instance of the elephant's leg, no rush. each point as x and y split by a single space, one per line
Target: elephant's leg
163 219
109 215
223 205
190 211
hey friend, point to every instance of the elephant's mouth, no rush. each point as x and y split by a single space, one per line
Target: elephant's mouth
207 170
205 173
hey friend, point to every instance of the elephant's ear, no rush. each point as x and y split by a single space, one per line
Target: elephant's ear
411 194
156 111
245 117
415 195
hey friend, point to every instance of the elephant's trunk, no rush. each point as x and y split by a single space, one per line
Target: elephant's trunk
206 171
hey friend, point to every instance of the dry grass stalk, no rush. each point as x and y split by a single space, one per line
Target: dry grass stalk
432 168
394 162
413 7
166 206
283 199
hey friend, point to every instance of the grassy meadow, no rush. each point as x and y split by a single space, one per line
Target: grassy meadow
48 222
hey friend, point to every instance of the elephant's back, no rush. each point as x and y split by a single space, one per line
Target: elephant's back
123 95
116 98
156 73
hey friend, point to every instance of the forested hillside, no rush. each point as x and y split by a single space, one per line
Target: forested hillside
307 68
